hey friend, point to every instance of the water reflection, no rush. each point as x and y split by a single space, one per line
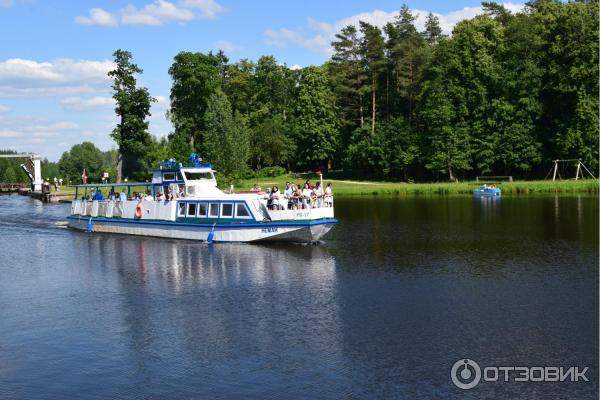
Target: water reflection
212 305
401 289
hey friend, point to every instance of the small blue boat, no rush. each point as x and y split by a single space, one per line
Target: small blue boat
485 191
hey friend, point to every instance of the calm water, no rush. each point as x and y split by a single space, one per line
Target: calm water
401 289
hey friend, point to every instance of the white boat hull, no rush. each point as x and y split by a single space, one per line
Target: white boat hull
301 232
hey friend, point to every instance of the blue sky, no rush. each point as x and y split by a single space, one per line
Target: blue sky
55 54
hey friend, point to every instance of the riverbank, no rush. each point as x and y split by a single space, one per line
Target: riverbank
362 188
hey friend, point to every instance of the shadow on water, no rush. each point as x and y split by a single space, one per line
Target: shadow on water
400 289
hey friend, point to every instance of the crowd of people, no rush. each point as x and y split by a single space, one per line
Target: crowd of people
294 197
298 197
166 195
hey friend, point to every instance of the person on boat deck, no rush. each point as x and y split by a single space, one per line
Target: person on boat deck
160 196
256 188
288 193
306 195
275 198
169 195
296 198
318 192
267 196
328 196
123 195
98 195
149 197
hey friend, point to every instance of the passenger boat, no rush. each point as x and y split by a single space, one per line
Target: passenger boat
486 191
199 211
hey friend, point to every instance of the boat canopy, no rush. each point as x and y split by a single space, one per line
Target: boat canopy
195 180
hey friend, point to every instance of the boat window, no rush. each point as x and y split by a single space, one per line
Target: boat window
191 209
241 211
214 210
179 178
169 176
227 210
198 176
181 210
202 209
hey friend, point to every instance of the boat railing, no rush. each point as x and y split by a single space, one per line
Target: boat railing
97 208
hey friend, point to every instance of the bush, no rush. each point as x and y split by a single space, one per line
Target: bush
270 172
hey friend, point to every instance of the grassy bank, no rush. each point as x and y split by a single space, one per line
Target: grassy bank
357 188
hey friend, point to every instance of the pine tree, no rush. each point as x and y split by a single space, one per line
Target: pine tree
372 49
433 31
349 77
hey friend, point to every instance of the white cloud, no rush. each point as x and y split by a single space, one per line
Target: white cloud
9 133
21 77
99 17
51 127
19 132
157 13
323 33
226 46
80 104
3 109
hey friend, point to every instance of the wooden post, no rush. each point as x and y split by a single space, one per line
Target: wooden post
578 170
555 170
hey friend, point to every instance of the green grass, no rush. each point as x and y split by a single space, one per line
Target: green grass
357 188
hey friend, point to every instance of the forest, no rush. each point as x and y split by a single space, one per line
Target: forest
504 94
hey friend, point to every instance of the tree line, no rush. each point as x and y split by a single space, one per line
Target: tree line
504 94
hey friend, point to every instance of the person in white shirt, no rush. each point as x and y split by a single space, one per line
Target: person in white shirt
306 193
123 195
149 197
328 196
318 191
275 197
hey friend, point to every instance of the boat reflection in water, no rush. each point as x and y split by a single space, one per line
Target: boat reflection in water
221 311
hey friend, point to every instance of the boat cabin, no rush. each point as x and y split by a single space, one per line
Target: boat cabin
196 180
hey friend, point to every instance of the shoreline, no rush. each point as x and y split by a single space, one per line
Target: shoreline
351 188
377 188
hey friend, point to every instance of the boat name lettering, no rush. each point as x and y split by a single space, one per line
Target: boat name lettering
269 230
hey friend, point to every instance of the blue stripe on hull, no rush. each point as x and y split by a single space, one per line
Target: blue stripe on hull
228 226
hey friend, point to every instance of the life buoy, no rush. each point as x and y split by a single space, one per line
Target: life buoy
139 211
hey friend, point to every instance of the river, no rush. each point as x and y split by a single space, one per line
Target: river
400 290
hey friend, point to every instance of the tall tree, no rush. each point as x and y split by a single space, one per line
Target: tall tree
406 48
132 108
569 93
195 76
226 139
348 77
433 30
315 123
372 47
